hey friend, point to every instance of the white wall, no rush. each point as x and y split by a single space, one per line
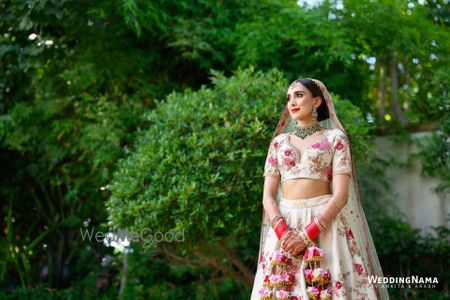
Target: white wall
413 194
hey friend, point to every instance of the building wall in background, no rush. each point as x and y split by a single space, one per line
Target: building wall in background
413 194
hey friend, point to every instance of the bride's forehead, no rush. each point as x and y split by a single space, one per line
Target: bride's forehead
294 86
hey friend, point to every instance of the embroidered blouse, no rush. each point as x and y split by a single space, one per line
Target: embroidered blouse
320 161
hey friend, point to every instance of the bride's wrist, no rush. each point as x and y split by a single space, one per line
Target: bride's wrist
320 221
307 238
281 228
275 221
312 230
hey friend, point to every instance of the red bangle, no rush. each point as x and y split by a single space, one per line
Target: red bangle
312 230
281 228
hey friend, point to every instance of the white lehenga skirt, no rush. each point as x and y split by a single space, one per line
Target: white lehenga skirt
341 254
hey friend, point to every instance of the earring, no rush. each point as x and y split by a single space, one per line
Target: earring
314 113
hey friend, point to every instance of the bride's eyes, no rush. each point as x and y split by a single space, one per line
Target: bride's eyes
299 94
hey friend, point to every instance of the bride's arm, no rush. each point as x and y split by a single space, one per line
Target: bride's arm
269 197
272 177
294 244
342 172
340 197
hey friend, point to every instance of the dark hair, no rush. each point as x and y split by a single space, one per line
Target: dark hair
322 110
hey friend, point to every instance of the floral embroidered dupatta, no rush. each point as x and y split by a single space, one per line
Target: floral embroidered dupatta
352 211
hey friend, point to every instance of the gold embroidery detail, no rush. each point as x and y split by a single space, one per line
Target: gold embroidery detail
299 203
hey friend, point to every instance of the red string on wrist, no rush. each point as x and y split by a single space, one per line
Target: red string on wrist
281 228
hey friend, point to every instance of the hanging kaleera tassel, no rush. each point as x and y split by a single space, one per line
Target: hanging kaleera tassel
279 280
317 280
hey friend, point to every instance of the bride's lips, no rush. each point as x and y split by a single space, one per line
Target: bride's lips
295 110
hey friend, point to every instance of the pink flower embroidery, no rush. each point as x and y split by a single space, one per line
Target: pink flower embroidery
329 172
273 161
338 285
349 233
359 268
316 145
288 152
339 146
289 162
275 144
324 145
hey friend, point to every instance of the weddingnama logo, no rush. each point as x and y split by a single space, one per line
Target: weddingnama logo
121 239
405 282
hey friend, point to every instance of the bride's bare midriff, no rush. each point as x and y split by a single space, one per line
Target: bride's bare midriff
304 188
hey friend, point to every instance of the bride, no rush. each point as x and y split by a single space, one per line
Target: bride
316 210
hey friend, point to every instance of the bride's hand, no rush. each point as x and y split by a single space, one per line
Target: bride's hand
293 243
286 236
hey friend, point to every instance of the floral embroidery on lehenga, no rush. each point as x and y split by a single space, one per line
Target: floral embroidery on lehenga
329 156
338 287
346 231
362 284
348 272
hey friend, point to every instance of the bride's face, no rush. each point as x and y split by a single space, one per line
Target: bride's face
300 102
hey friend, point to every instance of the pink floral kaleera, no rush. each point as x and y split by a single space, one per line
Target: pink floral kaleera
279 282
317 279
354 205
279 279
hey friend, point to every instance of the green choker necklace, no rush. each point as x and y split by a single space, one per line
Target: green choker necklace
304 131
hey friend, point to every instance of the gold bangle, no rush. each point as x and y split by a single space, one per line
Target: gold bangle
275 219
321 221
318 224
